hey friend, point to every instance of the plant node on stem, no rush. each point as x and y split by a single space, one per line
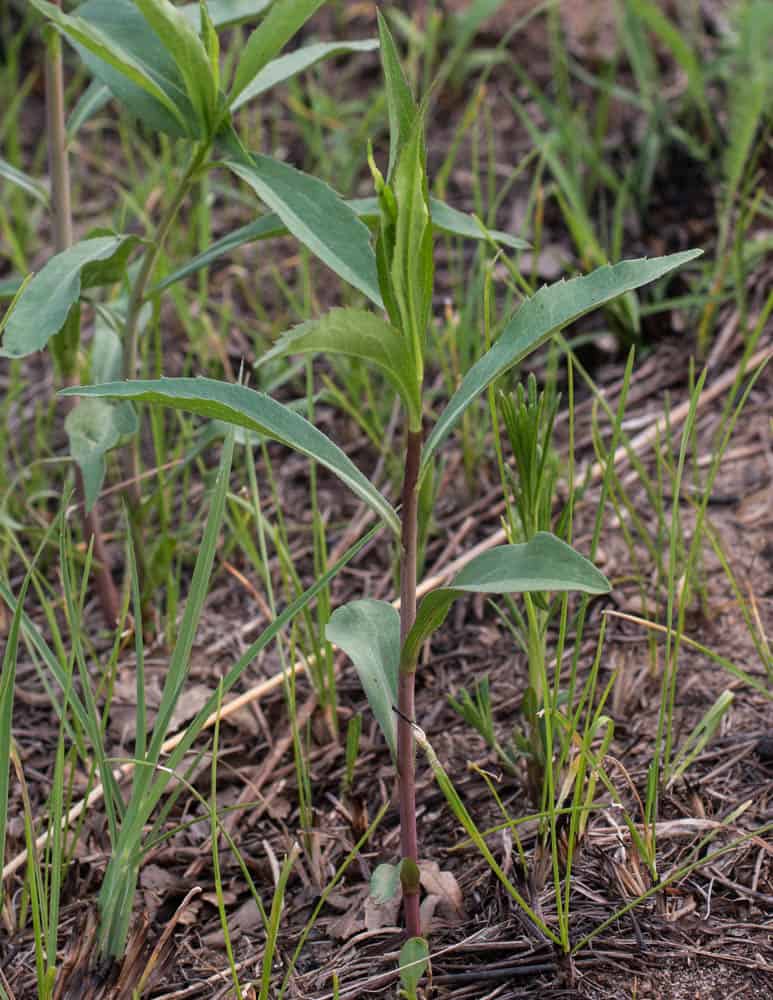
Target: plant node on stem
406 752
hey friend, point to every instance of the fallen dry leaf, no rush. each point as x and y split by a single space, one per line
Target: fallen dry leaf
444 885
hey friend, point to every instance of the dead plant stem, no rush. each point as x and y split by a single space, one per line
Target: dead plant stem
61 212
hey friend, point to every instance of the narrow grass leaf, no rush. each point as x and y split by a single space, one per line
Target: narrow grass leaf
7 687
368 632
43 307
243 407
162 776
117 892
315 215
544 563
539 318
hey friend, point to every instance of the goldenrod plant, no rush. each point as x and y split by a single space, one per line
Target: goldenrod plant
384 644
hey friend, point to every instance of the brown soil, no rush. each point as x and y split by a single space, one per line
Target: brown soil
708 935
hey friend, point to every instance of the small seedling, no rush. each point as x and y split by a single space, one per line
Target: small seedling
384 645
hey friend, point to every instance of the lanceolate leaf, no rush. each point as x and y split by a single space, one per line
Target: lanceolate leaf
96 426
358 334
544 314
369 633
414 959
182 42
254 411
277 28
400 102
93 428
119 47
412 266
444 218
451 220
45 303
288 66
316 216
7 688
225 13
544 563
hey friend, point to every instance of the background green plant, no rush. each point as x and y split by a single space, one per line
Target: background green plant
584 142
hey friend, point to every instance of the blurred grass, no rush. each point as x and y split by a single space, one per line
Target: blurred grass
577 157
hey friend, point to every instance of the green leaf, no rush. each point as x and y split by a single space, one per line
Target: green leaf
384 883
225 13
282 21
45 303
211 43
264 228
118 47
28 184
183 44
538 318
255 411
451 220
369 633
412 267
401 106
356 333
106 353
290 65
222 14
444 218
316 216
93 428
544 563
7 689
414 959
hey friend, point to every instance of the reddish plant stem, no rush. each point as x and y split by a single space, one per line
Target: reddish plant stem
61 211
406 750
